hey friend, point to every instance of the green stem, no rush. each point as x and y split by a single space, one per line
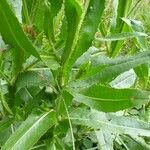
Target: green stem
123 143
38 146
70 124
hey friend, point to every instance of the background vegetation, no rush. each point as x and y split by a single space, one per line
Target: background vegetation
74 74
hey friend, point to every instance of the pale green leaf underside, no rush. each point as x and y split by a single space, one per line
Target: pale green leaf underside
111 123
121 36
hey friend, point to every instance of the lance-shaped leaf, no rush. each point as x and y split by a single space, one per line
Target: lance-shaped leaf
118 25
110 123
73 13
31 130
108 99
48 23
86 35
112 68
121 36
11 31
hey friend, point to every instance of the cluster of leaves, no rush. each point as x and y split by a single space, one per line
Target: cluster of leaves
74 74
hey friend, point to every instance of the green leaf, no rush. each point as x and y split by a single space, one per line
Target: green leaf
39 77
134 142
110 123
17 7
52 8
55 6
48 23
50 61
122 36
142 71
11 31
108 99
85 37
73 13
114 67
5 123
62 102
122 8
30 131
32 13
137 26
18 60
125 80
105 140
119 26
33 103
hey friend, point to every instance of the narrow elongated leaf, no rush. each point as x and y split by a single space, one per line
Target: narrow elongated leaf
122 8
18 56
17 6
114 67
4 124
137 26
11 31
52 8
55 6
33 103
108 99
110 123
122 36
122 11
142 71
48 23
33 12
30 131
86 35
73 14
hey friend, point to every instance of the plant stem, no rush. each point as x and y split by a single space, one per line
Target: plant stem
38 146
70 124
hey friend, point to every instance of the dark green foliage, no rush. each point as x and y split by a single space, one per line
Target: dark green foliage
74 75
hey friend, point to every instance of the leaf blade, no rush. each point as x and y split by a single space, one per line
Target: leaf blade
26 135
108 99
121 36
11 30
110 123
86 35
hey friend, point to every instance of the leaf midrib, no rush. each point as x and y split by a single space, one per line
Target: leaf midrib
39 120
10 28
108 99
115 125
